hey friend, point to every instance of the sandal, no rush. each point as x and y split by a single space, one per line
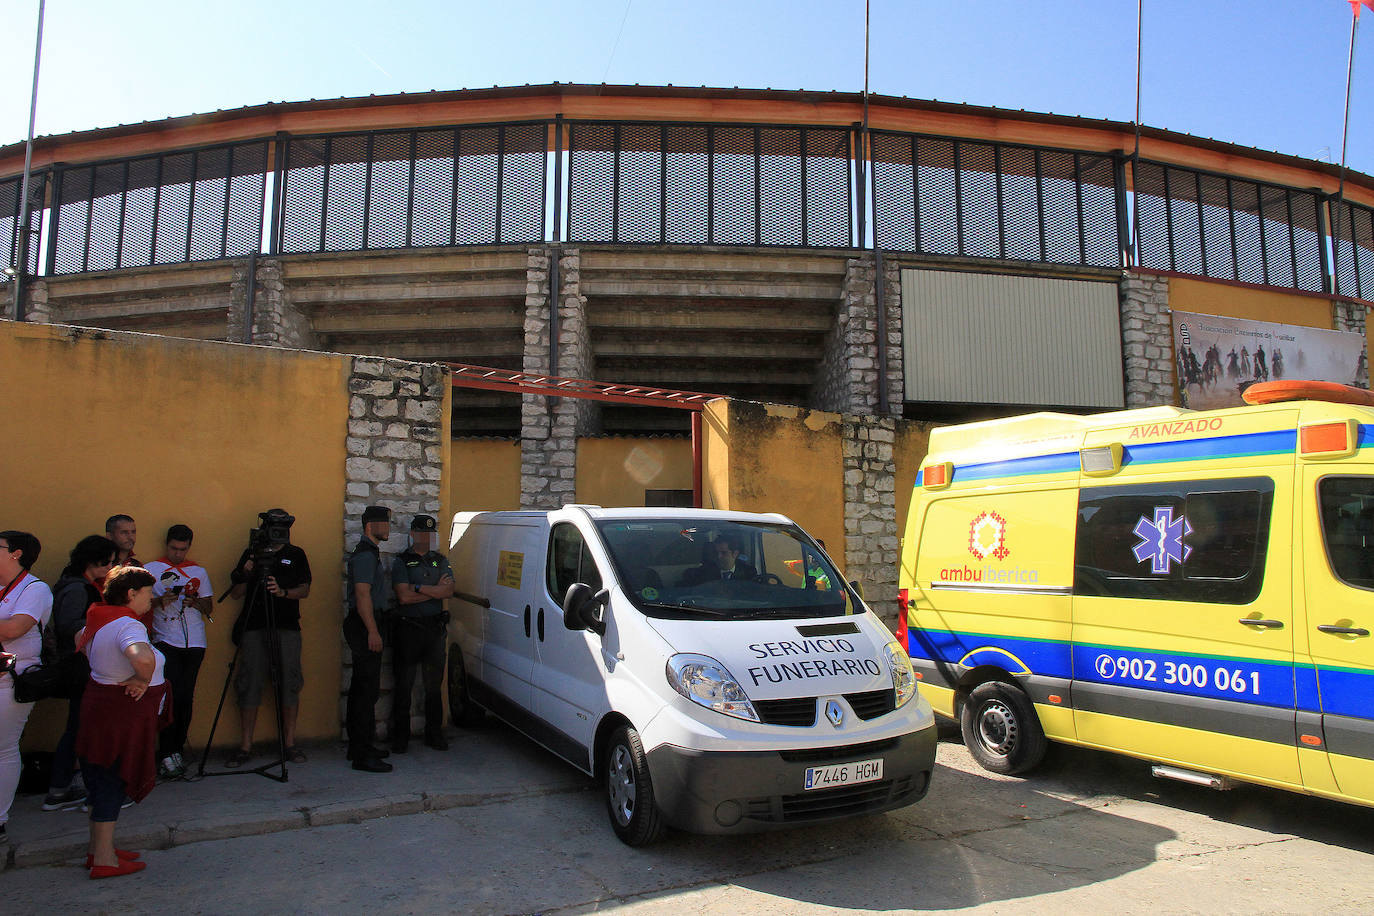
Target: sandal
238 758
295 755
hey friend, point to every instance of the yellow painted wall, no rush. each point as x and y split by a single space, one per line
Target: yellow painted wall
1208 298
615 471
181 431
484 475
910 449
768 458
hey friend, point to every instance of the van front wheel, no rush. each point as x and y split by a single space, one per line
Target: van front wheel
1001 729
635 817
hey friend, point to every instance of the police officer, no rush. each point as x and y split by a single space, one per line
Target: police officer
422 579
362 630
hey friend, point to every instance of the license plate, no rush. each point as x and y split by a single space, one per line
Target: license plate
843 774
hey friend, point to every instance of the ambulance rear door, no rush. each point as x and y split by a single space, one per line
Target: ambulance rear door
1182 608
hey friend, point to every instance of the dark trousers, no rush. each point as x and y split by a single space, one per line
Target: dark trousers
180 670
360 716
417 643
76 674
105 791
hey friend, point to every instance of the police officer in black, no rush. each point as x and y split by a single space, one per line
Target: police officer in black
367 597
422 579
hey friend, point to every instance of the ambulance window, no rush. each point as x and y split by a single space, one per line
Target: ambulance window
569 562
1201 540
1347 514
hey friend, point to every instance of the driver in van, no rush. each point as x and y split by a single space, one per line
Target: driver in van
722 562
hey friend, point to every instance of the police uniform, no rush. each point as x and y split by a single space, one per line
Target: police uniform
365 568
419 641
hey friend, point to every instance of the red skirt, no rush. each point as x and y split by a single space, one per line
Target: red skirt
120 733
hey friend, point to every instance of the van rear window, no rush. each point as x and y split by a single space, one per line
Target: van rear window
1347 512
1192 540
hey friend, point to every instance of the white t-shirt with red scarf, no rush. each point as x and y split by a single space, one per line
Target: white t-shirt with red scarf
177 622
28 595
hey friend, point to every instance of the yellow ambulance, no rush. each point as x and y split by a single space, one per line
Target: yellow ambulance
1195 588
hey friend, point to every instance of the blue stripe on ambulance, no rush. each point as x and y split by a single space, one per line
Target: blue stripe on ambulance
1254 681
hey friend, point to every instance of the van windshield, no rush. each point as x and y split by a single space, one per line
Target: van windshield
688 568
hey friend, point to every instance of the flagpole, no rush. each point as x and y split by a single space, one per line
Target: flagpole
1345 133
1135 154
21 236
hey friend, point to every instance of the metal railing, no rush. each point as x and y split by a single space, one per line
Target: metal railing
678 183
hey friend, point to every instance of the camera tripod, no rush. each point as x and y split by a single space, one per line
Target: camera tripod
256 597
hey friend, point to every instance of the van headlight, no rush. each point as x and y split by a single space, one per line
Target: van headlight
903 675
707 682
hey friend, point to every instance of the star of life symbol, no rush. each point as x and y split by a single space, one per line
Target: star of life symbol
1161 540
987 536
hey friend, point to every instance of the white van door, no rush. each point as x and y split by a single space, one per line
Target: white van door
514 559
569 674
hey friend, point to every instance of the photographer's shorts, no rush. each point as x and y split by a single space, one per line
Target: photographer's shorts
254 673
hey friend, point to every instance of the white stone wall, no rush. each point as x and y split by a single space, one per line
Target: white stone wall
395 459
1147 340
848 381
1351 316
871 544
276 322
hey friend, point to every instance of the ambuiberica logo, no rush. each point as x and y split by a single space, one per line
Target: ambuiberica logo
990 544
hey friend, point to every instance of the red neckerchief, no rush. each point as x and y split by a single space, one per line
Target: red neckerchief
97 616
13 582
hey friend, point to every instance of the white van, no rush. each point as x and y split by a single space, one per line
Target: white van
712 668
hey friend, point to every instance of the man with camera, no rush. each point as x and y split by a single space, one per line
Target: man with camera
273 577
181 605
422 579
362 629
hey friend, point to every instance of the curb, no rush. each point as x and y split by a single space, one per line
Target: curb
68 851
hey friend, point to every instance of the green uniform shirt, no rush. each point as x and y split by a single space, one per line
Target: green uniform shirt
420 570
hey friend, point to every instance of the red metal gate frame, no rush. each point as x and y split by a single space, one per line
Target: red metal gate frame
512 382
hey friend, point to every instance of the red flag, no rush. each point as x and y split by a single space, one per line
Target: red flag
1356 4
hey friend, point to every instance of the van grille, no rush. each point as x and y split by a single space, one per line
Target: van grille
831 754
830 803
872 704
800 712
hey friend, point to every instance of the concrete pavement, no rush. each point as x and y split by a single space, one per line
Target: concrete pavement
485 766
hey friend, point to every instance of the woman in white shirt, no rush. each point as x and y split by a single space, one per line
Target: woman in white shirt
25 604
123 708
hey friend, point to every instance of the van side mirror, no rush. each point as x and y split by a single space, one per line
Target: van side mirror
584 609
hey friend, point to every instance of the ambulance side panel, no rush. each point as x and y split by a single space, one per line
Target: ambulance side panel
988 568
1335 674
1183 615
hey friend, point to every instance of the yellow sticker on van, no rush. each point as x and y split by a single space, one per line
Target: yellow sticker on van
508 567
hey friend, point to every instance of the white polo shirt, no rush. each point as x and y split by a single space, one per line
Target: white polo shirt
31 596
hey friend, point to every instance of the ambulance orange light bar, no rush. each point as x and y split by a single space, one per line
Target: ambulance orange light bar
1328 440
934 476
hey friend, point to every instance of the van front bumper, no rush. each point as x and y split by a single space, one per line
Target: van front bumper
746 791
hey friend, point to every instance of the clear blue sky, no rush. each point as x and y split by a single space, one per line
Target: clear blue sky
1264 73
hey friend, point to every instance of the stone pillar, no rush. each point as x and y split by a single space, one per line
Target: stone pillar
275 321
896 361
549 427
848 381
871 543
395 459
1147 337
36 307
1350 316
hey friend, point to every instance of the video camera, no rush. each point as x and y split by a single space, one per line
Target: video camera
272 534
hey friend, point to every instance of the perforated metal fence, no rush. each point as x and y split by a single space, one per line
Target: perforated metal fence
1213 225
477 185
623 182
10 192
704 184
942 196
187 206
1352 234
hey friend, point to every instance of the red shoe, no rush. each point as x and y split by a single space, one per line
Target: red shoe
125 855
114 871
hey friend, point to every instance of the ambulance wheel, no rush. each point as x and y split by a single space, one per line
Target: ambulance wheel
462 712
635 817
1001 729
